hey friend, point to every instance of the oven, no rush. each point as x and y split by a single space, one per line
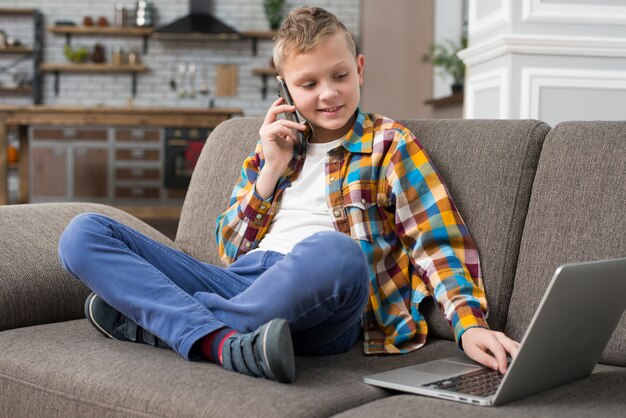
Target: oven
182 150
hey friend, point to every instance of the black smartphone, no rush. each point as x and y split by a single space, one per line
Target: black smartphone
283 92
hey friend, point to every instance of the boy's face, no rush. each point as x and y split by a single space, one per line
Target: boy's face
324 84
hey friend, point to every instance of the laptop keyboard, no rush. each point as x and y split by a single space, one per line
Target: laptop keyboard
482 382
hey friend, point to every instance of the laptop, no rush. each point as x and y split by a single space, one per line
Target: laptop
573 323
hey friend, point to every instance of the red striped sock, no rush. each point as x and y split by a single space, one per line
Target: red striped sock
212 344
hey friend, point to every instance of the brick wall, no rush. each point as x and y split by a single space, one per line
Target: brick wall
153 87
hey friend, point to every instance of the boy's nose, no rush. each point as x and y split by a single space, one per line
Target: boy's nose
329 92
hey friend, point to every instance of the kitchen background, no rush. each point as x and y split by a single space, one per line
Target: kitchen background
163 58
551 60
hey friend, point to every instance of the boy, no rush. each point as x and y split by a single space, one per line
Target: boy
359 220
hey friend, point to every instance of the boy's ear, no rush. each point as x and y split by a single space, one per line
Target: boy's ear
360 64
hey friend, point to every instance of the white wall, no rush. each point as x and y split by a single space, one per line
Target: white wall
552 60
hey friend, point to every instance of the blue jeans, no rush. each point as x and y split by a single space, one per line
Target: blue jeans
320 288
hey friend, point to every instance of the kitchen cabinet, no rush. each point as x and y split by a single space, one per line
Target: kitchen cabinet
69 163
90 172
48 164
52 139
35 52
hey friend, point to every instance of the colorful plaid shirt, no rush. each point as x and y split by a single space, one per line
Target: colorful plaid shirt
382 190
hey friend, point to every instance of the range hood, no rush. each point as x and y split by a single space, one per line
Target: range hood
198 23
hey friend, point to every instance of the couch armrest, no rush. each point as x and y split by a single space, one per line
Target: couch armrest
34 288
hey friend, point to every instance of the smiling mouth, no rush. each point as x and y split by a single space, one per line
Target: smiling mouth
330 109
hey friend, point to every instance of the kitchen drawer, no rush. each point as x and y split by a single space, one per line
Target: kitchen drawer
48 172
91 134
137 154
91 172
137 192
137 135
137 173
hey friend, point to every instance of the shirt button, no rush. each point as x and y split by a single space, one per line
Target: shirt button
363 201
248 244
337 213
263 206
259 216
332 178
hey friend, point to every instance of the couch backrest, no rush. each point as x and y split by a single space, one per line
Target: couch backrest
488 166
577 213
216 172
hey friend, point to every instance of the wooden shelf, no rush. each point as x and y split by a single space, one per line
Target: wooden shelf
93 68
16 50
267 71
456 98
69 30
264 73
16 11
16 90
57 69
255 35
100 30
260 34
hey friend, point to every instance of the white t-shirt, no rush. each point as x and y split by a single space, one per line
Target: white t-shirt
303 210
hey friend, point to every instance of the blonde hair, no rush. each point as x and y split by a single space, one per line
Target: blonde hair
304 29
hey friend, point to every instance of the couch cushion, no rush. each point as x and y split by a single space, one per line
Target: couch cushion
577 213
488 166
69 369
599 395
34 288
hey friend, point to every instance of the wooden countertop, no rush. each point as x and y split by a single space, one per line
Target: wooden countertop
97 115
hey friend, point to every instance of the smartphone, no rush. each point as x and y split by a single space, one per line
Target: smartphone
292 116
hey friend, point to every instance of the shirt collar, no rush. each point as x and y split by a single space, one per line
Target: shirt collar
360 138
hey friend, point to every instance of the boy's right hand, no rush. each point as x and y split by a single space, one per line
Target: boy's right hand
277 138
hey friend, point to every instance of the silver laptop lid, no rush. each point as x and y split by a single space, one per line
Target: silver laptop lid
572 325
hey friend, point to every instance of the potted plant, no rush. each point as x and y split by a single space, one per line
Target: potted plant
274 12
444 57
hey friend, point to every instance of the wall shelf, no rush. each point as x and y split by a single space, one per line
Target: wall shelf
257 35
264 73
16 90
456 98
133 69
35 54
69 30
16 50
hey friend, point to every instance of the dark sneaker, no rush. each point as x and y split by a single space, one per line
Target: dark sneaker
113 324
266 352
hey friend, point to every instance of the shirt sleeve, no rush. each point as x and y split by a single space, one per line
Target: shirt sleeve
433 233
240 227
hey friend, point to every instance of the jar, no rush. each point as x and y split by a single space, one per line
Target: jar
144 13
120 15
118 57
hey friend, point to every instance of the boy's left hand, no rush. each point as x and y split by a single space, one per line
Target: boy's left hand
489 347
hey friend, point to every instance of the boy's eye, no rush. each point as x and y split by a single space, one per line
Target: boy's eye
342 75
308 85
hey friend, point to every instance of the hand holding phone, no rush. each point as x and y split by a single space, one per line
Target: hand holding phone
291 116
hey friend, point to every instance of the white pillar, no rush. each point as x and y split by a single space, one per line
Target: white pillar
552 60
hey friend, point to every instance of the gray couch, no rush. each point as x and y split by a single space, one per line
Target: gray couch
533 197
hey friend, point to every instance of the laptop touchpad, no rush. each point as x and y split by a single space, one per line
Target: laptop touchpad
444 368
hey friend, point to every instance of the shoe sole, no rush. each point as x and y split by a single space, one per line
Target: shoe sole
277 348
90 315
